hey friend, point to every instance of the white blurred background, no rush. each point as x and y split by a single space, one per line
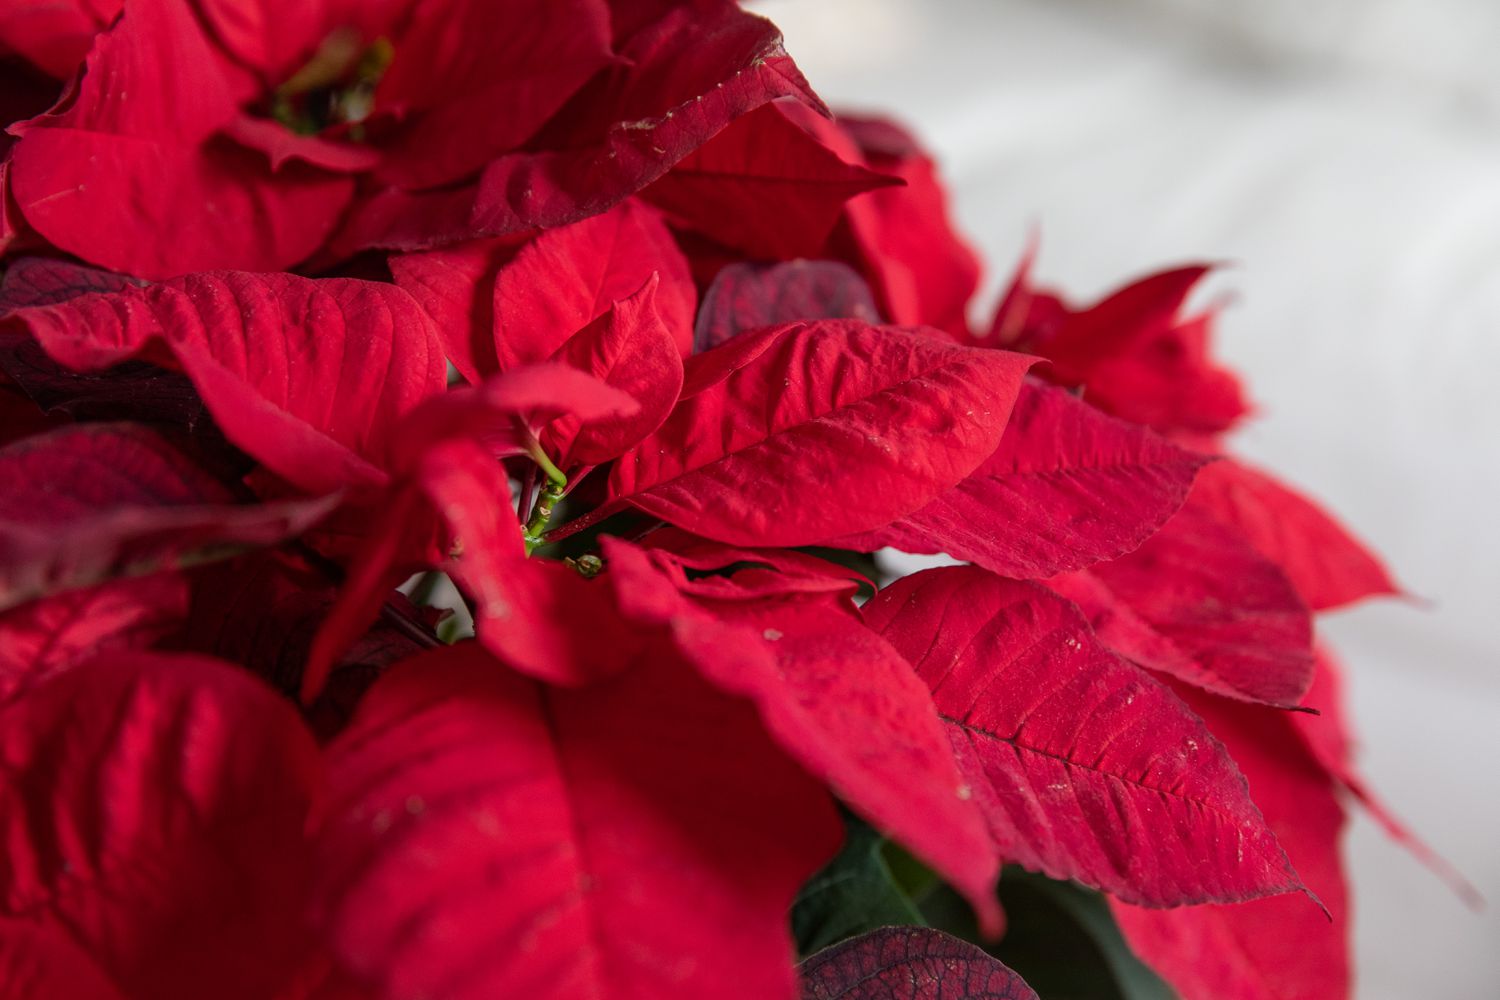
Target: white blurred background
1346 156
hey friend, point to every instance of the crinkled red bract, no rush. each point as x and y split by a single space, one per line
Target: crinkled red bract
299 114
439 529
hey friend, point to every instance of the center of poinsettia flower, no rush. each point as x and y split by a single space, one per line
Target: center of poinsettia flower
336 87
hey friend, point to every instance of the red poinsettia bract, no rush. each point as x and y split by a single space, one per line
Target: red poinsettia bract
585 327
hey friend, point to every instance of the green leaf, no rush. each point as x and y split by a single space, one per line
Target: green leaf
852 894
1063 940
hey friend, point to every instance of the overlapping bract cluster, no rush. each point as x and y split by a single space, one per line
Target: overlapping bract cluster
664 280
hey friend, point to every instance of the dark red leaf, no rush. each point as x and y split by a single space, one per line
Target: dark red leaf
1268 949
901 238
48 636
1199 603
153 809
40 962
645 836
308 377
19 416
1067 487
764 186
821 429
131 390
46 281
263 611
839 700
679 80
88 503
747 296
1084 766
913 963
1328 566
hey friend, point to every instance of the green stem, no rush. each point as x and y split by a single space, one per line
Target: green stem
552 491
553 473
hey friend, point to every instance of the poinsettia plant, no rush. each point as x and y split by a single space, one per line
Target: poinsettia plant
447 448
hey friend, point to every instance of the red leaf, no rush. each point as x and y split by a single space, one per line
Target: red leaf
1136 358
153 809
273 39
131 390
54 35
645 836
90 502
445 462
495 311
1170 383
1026 313
456 287
899 415
144 214
507 412
140 392
282 147
631 349
1119 321
913 963
1084 766
12 225
747 296
1268 949
1067 487
526 610
901 238
677 81
763 186
306 376
120 175
755 573
48 636
566 278
1196 601
839 700
1328 566
456 63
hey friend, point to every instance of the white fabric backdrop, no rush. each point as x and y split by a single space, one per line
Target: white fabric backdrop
1346 156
